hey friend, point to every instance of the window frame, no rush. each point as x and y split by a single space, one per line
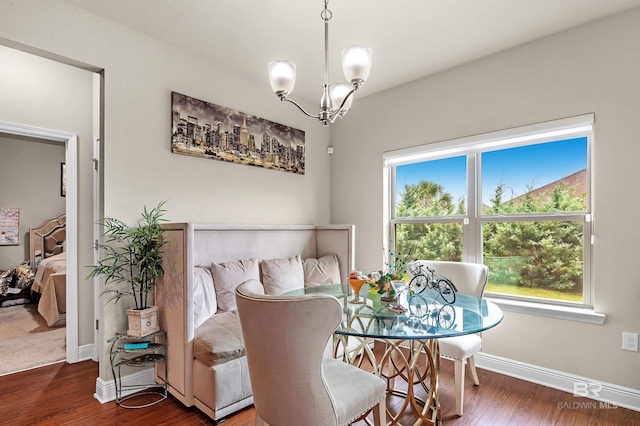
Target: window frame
473 147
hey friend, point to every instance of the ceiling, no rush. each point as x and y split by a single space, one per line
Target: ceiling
410 39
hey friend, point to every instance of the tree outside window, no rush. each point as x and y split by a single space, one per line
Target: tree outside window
530 217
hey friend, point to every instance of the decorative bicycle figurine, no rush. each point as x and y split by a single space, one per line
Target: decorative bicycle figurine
426 277
427 313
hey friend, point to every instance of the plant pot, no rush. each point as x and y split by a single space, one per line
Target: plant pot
143 322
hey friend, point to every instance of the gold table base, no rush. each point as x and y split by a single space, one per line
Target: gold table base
401 359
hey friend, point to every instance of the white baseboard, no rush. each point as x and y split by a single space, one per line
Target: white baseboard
106 389
85 352
599 391
589 388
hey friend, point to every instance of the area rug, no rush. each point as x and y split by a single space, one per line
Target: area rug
26 341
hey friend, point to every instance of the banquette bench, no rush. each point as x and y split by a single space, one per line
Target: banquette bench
202 266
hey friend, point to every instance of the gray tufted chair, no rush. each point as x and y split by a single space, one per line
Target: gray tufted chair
292 382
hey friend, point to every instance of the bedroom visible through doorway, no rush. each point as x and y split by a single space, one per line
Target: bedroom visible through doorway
26 341
32 289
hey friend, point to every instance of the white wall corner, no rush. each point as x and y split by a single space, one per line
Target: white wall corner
106 389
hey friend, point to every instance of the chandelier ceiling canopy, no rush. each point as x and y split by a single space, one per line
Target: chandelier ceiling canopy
336 98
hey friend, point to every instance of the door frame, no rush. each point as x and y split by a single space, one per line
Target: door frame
96 235
70 141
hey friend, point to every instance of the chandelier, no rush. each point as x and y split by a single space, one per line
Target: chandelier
336 98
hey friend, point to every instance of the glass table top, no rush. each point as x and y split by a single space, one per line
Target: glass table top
425 315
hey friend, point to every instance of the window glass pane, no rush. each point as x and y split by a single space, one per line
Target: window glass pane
434 241
546 177
536 259
432 188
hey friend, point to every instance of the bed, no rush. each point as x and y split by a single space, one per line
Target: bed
48 260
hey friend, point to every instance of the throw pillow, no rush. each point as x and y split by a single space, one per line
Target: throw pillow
229 275
282 275
204 295
325 270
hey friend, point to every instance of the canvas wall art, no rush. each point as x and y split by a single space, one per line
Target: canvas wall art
9 226
206 130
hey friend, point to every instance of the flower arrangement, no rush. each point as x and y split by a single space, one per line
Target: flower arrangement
395 268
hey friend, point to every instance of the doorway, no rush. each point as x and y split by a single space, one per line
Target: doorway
49 97
70 142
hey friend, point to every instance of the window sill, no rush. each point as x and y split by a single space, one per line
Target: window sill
580 314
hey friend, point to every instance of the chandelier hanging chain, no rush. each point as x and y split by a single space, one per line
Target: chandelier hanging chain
356 63
326 15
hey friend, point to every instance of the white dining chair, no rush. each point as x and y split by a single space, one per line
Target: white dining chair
292 382
469 278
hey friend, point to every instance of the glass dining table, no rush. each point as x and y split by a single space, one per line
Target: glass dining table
408 330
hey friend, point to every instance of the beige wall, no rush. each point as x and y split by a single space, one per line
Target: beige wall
30 181
593 68
139 169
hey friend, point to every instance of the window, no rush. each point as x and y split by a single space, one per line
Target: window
516 200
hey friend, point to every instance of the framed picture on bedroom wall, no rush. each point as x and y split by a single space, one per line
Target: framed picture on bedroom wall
63 180
9 226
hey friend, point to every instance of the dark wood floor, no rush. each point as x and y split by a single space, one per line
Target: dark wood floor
62 394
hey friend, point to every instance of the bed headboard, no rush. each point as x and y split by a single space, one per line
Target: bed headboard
47 239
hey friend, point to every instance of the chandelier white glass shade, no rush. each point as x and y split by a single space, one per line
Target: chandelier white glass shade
282 75
338 93
356 64
336 98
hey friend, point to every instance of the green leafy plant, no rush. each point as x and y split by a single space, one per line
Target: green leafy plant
540 254
132 260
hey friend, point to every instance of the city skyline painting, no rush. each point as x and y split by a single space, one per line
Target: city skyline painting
207 130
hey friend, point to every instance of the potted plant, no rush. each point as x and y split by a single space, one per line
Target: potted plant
131 265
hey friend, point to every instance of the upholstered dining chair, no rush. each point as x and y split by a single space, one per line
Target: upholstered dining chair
292 382
469 278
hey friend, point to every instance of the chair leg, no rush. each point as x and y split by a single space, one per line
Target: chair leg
380 414
472 367
459 375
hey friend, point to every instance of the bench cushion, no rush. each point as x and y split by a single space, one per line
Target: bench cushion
219 339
